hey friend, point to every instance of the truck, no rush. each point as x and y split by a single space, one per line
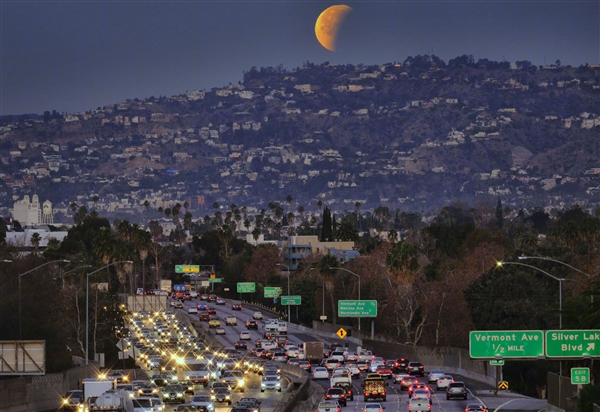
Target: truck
166 285
96 387
113 401
374 387
313 352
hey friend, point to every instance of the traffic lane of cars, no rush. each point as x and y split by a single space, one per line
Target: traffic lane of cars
397 400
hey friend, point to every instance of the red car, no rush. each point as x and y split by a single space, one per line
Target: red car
212 311
204 316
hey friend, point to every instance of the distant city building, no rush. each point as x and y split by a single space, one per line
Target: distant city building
30 213
300 247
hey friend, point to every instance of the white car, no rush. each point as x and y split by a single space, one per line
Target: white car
353 369
193 310
157 404
320 372
329 406
397 377
245 336
373 407
293 352
434 375
374 364
421 394
270 382
142 405
443 382
350 357
257 315
203 401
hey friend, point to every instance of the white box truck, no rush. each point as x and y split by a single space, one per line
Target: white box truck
113 401
96 387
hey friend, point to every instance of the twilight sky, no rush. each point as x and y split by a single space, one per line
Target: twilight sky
78 55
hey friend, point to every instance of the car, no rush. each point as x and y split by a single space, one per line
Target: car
251 324
193 310
348 388
384 371
230 320
204 296
320 372
257 315
415 386
400 364
245 336
415 369
408 382
337 394
270 382
211 297
443 382
236 306
212 311
362 366
220 331
235 379
119 374
220 301
187 385
149 389
214 323
421 394
173 393
72 400
329 406
177 304
202 306
434 375
475 407
241 345
304 364
456 389
373 407
331 364
248 406
350 356
221 395
204 316
398 376
279 357
188 407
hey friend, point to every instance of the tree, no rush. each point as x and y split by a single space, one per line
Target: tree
327 228
35 241
346 230
499 215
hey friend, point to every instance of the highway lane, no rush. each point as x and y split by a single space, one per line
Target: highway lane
397 399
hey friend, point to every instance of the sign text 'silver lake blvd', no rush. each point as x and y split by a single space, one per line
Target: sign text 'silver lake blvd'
506 344
572 343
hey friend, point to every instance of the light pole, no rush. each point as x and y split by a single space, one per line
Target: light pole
23 274
87 306
72 270
288 276
560 281
349 271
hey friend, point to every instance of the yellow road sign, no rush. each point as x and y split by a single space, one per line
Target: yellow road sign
341 333
503 385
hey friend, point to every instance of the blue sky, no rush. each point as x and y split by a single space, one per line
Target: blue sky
78 55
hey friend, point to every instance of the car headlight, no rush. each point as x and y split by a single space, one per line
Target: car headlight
227 397
262 384
213 397
241 382
65 401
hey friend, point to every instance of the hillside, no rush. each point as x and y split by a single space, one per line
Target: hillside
417 134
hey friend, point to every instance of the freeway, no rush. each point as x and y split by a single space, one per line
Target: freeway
397 400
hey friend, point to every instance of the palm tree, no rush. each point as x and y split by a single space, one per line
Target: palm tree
247 224
320 205
288 200
346 230
328 278
35 241
186 205
160 210
392 236
216 206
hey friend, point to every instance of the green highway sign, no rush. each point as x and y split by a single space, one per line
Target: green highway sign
572 343
357 308
580 376
187 268
490 344
496 362
215 280
246 287
272 292
291 300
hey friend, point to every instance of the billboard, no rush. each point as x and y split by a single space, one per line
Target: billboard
22 357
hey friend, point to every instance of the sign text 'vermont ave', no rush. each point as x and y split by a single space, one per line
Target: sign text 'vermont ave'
506 344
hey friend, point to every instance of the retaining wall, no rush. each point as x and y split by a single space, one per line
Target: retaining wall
40 393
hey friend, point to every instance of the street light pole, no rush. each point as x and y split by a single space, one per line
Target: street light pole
23 274
349 271
560 281
288 276
63 276
87 306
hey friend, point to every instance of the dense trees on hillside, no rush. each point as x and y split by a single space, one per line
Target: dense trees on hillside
434 282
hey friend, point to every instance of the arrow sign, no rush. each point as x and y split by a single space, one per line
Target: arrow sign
591 346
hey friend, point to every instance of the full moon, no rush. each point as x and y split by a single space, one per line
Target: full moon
328 25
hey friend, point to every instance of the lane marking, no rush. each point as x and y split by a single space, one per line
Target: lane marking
504 404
